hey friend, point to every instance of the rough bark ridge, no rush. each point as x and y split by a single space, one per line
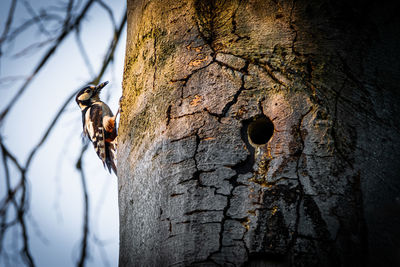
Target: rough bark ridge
197 187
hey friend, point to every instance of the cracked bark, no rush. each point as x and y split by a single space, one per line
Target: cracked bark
323 191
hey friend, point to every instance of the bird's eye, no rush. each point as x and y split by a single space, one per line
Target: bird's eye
87 91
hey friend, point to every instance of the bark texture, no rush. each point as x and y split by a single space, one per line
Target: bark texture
201 180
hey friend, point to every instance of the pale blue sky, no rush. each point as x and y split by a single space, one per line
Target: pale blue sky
56 210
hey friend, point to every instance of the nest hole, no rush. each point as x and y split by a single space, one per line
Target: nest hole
260 130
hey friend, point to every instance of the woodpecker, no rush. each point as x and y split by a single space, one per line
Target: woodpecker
98 123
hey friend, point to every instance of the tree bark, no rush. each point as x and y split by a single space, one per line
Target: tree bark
260 133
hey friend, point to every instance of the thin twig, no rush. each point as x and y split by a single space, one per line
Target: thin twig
109 12
66 30
18 193
8 23
39 23
44 16
82 50
84 242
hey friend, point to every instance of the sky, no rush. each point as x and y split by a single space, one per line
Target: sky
56 201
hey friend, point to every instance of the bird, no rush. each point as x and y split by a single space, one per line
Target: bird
99 124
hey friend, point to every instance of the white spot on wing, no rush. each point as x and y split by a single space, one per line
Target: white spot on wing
89 125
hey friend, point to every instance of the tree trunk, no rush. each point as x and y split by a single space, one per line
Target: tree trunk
260 133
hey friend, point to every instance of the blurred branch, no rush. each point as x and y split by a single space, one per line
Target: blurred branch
8 24
103 253
67 28
82 50
17 193
32 47
84 243
111 49
30 22
109 12
18 204
38 20
11 79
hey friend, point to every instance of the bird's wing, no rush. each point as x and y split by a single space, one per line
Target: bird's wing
95 130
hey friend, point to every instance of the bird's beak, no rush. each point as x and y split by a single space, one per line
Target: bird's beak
100 86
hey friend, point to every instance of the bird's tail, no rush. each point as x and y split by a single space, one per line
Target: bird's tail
110 157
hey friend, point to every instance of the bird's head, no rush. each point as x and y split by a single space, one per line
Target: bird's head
89 95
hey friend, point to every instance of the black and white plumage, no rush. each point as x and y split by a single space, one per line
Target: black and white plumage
98 124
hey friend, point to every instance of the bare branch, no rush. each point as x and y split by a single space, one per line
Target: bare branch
83 52
11 79
103 253
68 15
3 213
8 23
25 252
17 197
84 242
8 154
30 22
50 128
32 47
113 45
110 13
39 23
19 205
66 30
